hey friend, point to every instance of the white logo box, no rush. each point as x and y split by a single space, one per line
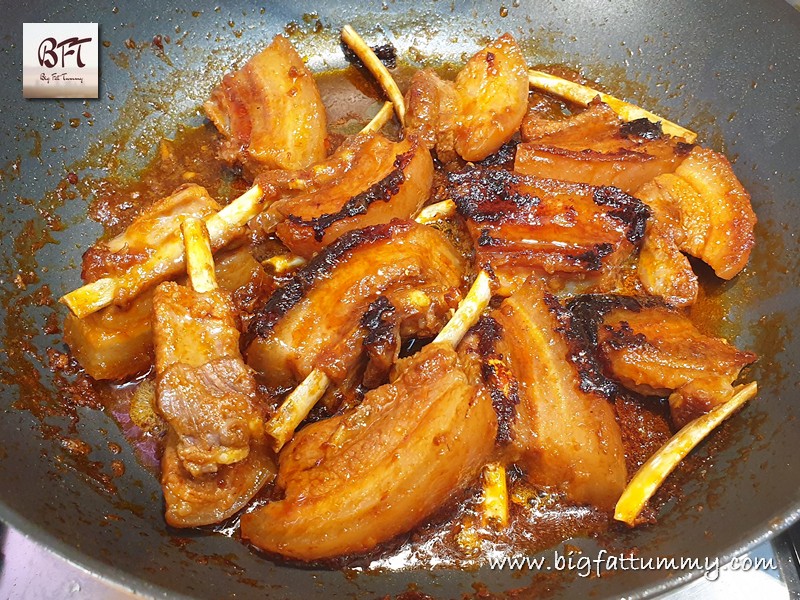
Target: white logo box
60 60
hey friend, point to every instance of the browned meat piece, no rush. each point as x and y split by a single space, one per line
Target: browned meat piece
625 169
205 391
431 112
662 268
698 397
238 272
383 180
561 436
477 114
381 343
215 459
148 231
196 501
366 476
270 111
598 128
655 351
347 157
521 225
544 115
209 408
315 320
597 148
115 343
492 90
702 209
715 211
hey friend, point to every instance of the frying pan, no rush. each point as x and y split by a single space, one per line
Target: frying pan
730 70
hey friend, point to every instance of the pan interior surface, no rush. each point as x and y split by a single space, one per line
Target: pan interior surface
703 65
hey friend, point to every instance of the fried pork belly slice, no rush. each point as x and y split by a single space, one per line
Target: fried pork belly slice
624 169
270 112
238 272
207 499
148 231
662 268
522 225
656 351
597 148
362 478
205 391
716 215
561 436
492 90
385 180
431 112
314 321
478 113
116 343
113 343
544 115
346 158
598 127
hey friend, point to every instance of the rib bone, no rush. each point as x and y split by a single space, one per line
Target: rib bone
223 227
583 95
377 68
302 399
653 473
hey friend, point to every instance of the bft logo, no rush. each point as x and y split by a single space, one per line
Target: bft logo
60 60
48 57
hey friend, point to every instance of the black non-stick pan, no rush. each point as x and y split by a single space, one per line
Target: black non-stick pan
730 70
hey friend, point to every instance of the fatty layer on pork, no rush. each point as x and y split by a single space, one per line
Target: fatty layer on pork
315 320
560 435
480 111
270 111
596 147
374 472
522 225
383 180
